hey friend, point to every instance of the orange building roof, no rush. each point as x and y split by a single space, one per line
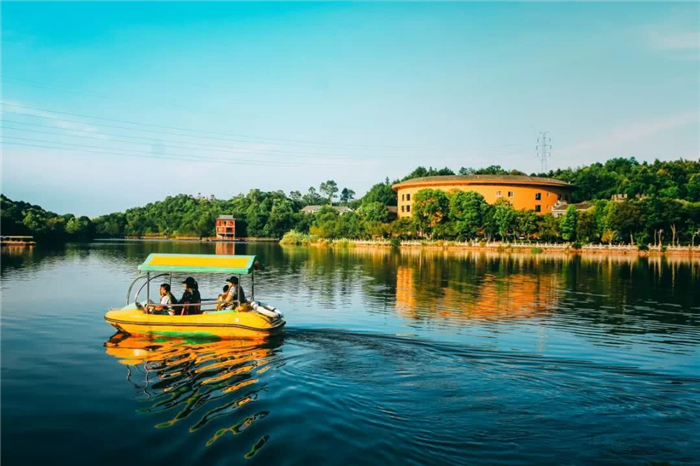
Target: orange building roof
482 179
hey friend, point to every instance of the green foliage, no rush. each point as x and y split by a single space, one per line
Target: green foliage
430 212
467 209
330 189
663 205
678 179
374 212
586 228
312 197
576 245
528 223
346 195
382 193
395 242
294 237
505 218
22 218
567 226
421 172
490 170
642 247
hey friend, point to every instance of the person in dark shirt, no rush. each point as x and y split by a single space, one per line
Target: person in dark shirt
190 297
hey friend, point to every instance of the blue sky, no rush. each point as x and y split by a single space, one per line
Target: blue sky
112 105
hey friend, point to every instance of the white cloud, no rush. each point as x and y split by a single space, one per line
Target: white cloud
633 132
688 40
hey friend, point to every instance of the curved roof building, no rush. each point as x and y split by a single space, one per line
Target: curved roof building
524 192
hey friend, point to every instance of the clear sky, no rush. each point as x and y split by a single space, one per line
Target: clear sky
112 105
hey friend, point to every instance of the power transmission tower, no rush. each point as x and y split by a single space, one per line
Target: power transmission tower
544 149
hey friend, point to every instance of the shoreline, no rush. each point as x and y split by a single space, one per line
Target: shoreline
493 247
517 248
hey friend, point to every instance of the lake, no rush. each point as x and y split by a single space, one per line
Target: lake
388 357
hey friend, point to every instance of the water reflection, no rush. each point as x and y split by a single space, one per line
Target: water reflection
198 381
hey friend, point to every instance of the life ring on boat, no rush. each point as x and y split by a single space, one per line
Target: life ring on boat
266 309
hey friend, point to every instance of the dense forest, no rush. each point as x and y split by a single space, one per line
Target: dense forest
663 206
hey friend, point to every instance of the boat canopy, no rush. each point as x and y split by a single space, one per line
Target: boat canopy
198 263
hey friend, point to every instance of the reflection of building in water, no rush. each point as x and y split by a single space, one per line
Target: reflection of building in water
226 248
513 295
405 293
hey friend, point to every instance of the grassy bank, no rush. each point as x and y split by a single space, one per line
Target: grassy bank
305 239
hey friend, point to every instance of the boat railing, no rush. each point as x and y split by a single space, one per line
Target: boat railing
148 280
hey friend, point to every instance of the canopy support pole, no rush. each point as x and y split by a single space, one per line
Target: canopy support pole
252 286
148 287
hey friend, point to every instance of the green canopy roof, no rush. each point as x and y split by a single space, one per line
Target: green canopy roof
198 263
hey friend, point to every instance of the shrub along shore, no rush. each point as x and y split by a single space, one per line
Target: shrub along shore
294 238
661 208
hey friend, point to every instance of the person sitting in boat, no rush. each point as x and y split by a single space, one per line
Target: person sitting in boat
190 298
222 298
235 295
166 299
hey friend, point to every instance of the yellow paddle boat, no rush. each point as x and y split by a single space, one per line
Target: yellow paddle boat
248 319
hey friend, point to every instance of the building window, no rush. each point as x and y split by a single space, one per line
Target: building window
403 208
498 194
403 197
538 208
408 196
547 194
408 208
510 193
538 196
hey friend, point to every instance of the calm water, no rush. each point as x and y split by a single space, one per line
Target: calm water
415 357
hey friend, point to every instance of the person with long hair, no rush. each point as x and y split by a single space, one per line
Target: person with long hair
190 297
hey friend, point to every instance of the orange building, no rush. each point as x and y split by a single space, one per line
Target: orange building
524 192
225 227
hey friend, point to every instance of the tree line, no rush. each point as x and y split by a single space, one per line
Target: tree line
662 206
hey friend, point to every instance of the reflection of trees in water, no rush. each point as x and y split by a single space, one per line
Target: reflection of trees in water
624 293
201 380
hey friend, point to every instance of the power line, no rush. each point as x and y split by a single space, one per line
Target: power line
544 149
231 137
144 154
159 142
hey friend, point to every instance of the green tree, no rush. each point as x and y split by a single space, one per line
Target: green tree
281 218
528 223
381 192
421 172
295 196
80 228
625 218
693 187
430 209
548 228
586 227
346 195
375 212
330 189
505 218
312 197
467 212
568 224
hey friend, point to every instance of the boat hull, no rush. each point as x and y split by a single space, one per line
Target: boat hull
222 324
